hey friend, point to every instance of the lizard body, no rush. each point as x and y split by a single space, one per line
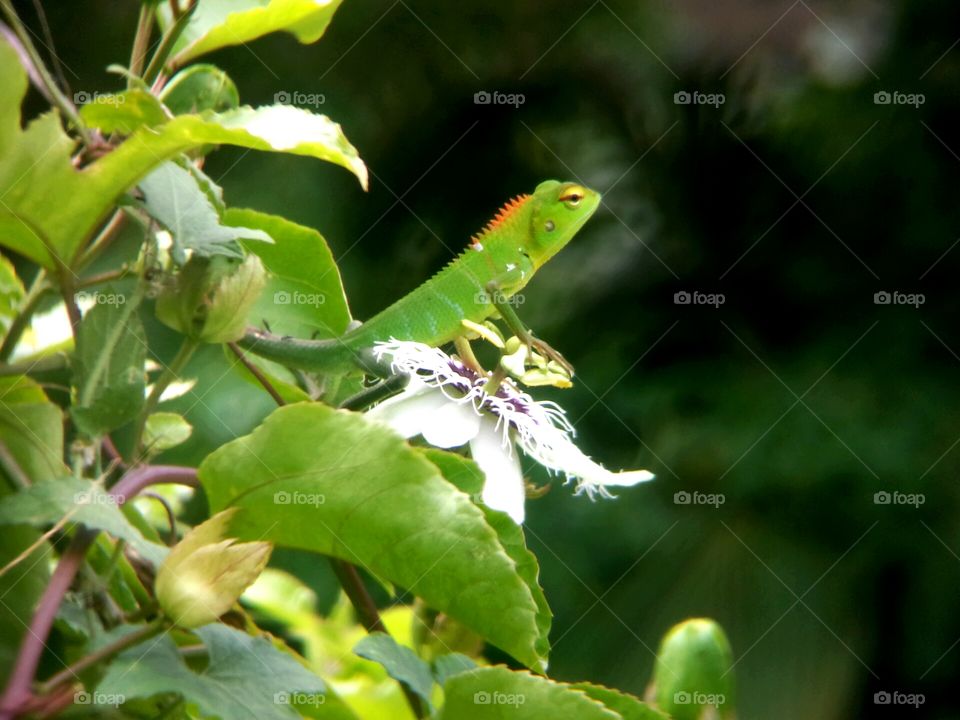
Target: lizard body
477 284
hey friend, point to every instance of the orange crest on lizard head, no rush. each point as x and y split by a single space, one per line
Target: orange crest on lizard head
504 214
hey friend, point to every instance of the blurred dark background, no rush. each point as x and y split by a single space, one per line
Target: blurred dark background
798 399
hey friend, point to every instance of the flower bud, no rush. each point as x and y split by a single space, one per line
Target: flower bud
693 677
212 297
205 573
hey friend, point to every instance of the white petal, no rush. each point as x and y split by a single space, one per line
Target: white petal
560 454
452 425
503 487
410 411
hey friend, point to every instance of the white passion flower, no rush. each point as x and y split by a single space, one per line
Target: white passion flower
445 402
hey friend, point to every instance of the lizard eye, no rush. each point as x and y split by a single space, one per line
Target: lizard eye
572 196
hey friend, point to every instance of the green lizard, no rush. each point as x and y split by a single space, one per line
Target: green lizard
477 284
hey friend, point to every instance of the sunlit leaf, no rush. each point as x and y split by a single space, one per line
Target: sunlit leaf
50 208
219 23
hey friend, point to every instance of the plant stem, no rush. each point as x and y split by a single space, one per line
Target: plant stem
103 277
141 41
366 609
169 374
258 374
156 66
104 653
31 301
130 485
59 99
31 647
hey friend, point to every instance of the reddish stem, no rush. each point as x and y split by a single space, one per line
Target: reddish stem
18 693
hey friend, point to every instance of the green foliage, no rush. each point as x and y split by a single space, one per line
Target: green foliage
32 428
246 676
35 163
165 430
332 482
124 112
20 587
174 198
11 293
400 662
200 87
108 376
219 23
164 621
496 692
304 296
81 501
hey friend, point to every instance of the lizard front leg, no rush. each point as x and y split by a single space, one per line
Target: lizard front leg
501 301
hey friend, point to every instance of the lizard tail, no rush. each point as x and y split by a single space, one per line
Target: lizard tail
335 356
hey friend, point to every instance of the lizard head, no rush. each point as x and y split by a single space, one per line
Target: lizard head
559 211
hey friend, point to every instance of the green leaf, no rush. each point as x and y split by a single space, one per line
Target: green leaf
467 476
304 295
165 430
332 482
175 199
50 208
220 23
198 88
400 662
123 112
11 294
446 666
45 503
496 693
108 372
628 706
248 677
32 428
